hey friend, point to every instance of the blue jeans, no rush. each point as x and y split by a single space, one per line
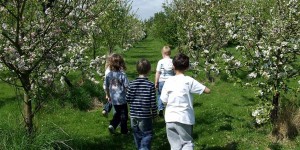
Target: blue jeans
160 105
142 132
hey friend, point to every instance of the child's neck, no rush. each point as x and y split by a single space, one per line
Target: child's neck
142 76
166 56
178 72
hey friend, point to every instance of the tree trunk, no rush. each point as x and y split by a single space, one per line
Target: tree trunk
275 103
110 49
28 115
209 77
94 47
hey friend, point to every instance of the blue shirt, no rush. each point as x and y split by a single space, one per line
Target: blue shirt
117 82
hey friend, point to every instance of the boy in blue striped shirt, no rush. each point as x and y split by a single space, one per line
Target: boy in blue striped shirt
141 98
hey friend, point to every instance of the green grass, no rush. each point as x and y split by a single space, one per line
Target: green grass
223 118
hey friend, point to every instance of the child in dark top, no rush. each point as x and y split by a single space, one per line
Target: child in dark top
142 102
116 83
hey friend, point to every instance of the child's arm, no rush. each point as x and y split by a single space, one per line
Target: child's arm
107 94
198 88
157 75
153 102
165 93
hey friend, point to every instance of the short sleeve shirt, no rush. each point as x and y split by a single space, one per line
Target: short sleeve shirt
165 67
177 93
117 82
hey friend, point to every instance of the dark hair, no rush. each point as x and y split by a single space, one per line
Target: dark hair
143 66
116 63
181 62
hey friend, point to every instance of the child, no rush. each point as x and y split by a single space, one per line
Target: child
107 107
116 83
179 114
164 70
141 99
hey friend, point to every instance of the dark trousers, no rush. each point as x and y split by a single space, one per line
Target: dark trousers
120 117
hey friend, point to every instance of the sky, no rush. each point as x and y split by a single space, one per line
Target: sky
146 8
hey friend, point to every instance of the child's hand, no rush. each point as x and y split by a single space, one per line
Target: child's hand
107 98
156 85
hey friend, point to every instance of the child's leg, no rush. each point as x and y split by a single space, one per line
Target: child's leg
137 134
180 135
160 105
117 116
146 128
124 118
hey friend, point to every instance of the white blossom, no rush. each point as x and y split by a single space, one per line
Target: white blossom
252 75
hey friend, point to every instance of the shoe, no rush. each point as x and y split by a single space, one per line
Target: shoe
160 113
104 113
111 129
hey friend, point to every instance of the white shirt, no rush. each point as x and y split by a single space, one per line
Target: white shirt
177 94
107 70
165 67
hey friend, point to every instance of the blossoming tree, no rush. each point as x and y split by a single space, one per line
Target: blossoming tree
39 40
201 31
268 33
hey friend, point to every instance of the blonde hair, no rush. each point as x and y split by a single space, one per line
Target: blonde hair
166 50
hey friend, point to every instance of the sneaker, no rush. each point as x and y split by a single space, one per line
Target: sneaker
111 129
161 113
104 113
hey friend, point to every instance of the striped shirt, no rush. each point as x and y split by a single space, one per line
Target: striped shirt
141 98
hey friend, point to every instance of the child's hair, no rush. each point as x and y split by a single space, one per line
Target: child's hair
143 66
116 62
181 62
166 50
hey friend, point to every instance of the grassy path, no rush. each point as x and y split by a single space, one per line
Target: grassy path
149 49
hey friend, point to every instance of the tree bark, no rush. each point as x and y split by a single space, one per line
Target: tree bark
28 115
275 103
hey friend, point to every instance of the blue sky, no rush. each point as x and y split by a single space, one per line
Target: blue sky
146 8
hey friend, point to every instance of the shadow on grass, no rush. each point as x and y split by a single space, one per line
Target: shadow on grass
2 104
275 146
229 146
115 142
6 101
197 105
226 127
119 141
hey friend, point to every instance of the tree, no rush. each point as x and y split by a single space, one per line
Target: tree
268 35
38 41
112 23
201 31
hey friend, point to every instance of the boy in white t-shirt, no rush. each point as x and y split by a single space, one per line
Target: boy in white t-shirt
177 96
164 70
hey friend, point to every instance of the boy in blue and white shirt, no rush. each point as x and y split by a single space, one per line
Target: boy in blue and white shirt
177 95
141 99
164 70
